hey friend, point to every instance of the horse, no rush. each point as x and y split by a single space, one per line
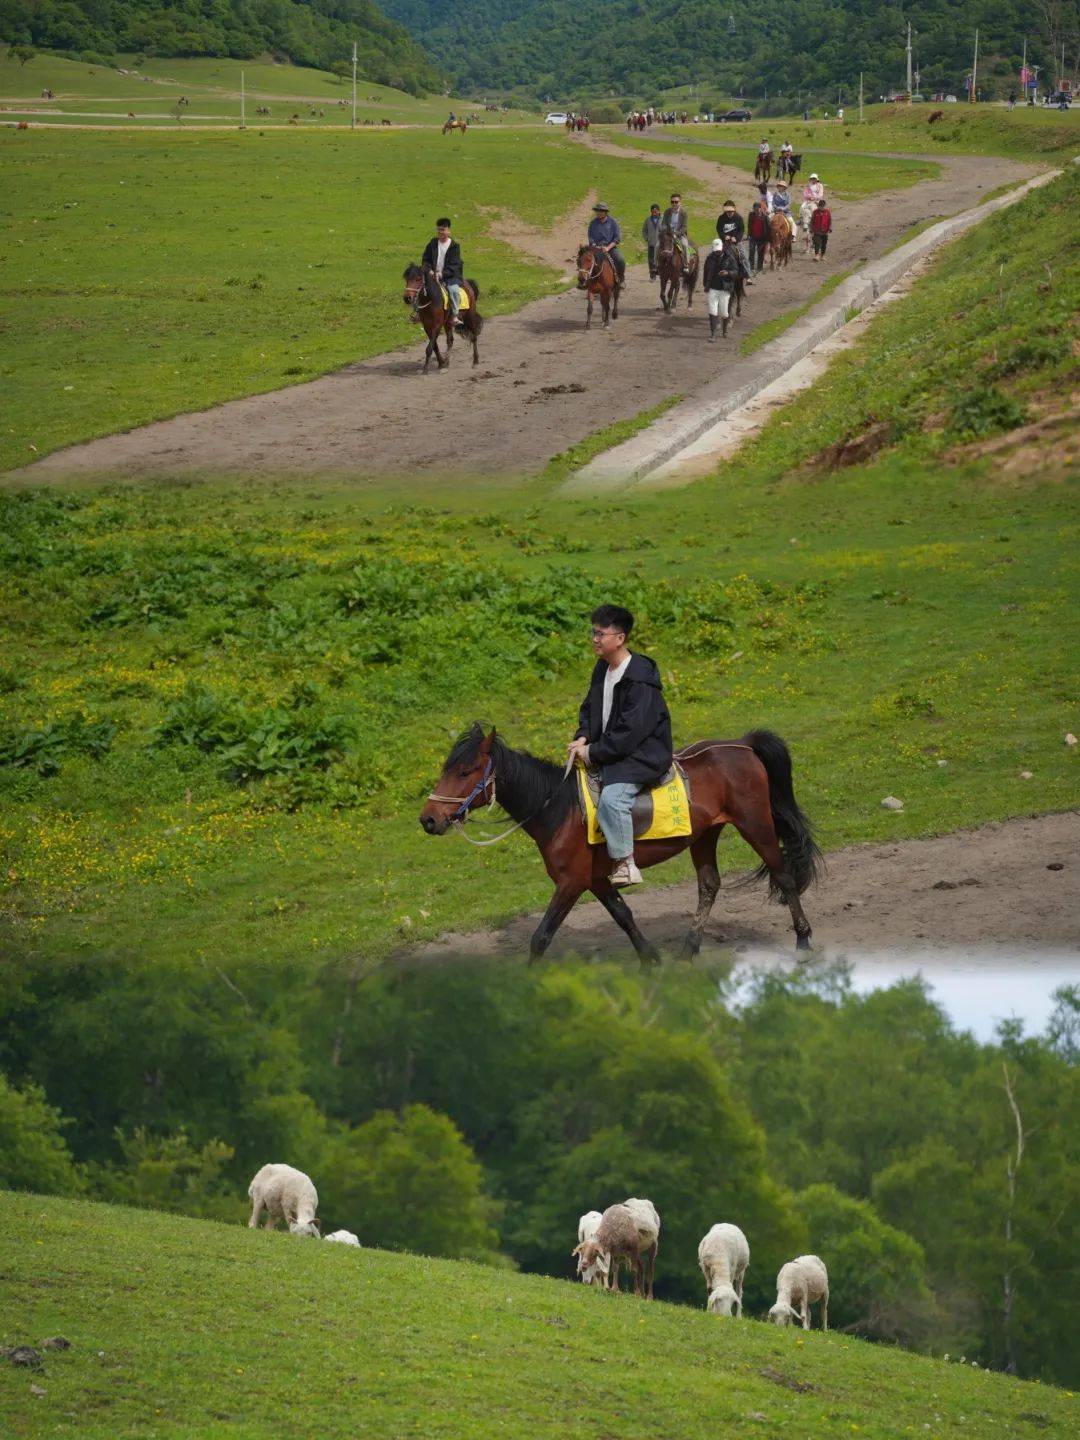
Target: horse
435 316
789 166
746 783
461 125
596 275
935 116
780 236
763 166
674 270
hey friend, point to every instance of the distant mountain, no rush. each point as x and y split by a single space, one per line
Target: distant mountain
308 32
563 48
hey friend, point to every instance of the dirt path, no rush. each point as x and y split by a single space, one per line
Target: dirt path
988 889
521 411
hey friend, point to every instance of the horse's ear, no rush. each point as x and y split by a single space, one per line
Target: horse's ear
489 741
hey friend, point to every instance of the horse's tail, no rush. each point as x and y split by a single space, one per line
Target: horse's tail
804 859
476 288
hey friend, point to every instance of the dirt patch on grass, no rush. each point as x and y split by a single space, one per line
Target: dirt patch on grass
557 246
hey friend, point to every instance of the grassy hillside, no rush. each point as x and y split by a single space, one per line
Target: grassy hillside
256 262
189 1328
849 608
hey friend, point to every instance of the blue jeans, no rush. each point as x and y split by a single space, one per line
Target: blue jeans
613 816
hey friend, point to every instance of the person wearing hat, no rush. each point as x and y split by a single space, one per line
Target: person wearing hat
605 235
441 263
719 278
650 233
730 222
820 229
678 222
813 190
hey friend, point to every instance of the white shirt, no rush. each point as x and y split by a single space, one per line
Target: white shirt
444 246
611 679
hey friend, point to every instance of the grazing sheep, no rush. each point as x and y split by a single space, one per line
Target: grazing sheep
647 1219
596 1274
286 1194
723 1256
800 1284
617 1240
342 1237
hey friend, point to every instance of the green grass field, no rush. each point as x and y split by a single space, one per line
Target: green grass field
147 275
187 1328
849 177
882 617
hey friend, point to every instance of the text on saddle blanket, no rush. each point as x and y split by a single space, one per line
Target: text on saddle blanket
660 813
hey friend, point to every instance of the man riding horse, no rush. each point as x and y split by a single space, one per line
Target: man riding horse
605 235
624 730
441 263
729 223
677 221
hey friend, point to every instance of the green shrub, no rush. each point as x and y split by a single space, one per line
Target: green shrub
33 1152
42 750
985 410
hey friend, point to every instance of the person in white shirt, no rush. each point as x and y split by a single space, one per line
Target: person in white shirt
442 263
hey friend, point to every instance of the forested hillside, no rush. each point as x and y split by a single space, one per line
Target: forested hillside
308 32
802 47
478 1110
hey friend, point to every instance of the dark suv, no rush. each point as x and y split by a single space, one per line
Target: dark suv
733 115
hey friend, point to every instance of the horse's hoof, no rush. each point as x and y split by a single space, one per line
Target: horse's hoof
802 942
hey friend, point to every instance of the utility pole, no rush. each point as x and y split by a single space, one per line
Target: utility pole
353 125
243 111
860 97
909 61
974 68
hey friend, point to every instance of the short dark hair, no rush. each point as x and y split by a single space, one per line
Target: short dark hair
443 220
677 195
614 616
654 206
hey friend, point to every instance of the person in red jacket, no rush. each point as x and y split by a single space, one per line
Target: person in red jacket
820 229
757 229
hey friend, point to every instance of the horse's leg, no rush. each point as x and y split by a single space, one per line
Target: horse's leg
760 834
562 902
588 310
431 346
605 307
448 331
703 854
615 306
474 335
620 912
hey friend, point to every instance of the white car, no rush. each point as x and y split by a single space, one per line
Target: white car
951 100
557 117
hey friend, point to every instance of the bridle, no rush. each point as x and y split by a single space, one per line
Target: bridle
597 267
464 805
414 298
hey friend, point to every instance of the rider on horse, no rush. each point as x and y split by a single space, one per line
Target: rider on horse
442 262
678 222
782 203
650 233
730 222
604 234
624 730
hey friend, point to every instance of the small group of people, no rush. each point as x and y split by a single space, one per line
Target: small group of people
576 122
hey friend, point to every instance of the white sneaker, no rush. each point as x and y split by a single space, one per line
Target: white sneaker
625 873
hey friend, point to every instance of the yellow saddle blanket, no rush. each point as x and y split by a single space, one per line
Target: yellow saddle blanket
463 298
660 813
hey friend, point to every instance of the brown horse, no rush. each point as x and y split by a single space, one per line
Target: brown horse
746 783
789 166
436 317
596 275
781 231
763 166
673 269
461 125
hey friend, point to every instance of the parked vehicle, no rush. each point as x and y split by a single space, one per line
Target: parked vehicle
733 116
555 117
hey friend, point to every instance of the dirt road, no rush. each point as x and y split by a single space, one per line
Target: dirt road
520 408
989 889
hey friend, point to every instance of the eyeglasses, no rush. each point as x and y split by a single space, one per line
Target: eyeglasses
599 634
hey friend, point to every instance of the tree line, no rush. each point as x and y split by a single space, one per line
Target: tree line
474 1110
308 32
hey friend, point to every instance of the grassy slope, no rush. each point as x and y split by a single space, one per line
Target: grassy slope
191 1328
258 258
897 613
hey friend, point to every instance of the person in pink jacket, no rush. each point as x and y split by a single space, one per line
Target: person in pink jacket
813 190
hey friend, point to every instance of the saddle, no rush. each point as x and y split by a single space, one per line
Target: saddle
463 294
660 813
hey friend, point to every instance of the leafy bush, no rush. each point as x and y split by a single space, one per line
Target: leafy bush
41 750
167 1172
984 410
33 1152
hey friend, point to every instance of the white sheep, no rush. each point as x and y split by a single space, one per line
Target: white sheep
802 1282
286 1194
342 1237
723 1256
617 1240
647 1219
597 1272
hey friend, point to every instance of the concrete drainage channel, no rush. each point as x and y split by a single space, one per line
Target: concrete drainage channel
666 439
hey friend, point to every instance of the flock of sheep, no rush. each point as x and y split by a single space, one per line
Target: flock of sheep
626 1234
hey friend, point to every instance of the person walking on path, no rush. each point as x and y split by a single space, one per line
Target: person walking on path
820 229
650 233
605 235
757 230
720 276
624 730
813 189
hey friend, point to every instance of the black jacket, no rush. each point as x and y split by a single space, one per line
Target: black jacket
721 270
636 746
453 269
729 225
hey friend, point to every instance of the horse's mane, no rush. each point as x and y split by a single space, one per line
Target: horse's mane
525 784
411 272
